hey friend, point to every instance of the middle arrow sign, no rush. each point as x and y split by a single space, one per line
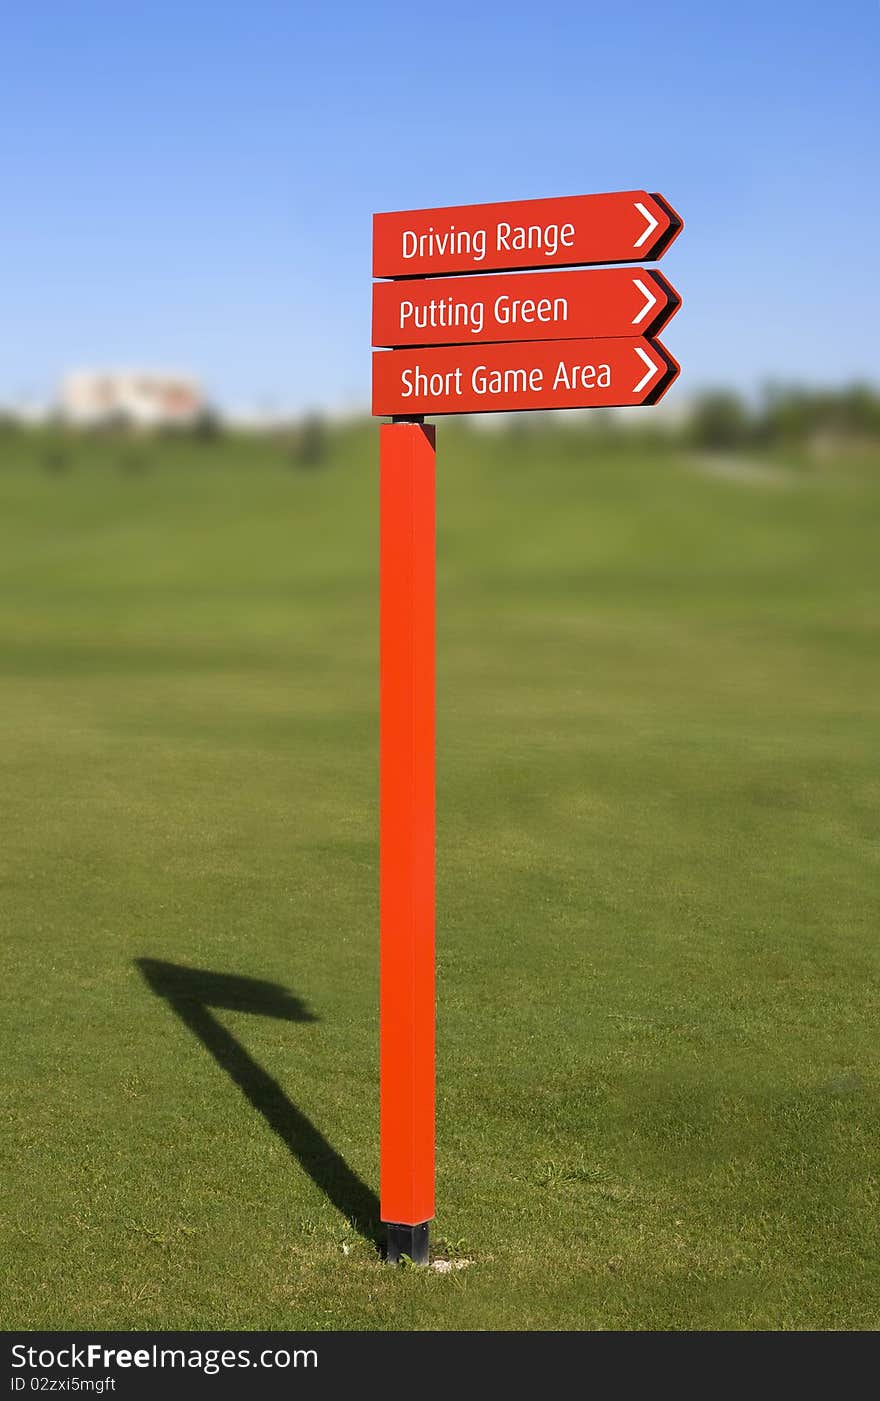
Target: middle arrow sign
593 302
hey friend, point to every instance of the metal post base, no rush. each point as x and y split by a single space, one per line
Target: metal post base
407 1240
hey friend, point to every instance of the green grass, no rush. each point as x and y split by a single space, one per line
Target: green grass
658 791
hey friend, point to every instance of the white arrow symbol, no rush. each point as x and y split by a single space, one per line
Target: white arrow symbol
650 300
652 224
651 371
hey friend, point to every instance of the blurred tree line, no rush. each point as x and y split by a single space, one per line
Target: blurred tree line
716 420
723 420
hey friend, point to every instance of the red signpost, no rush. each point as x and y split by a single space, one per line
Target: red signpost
473 344
406 875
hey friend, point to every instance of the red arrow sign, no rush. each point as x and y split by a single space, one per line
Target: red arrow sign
540 375
627 227
522 307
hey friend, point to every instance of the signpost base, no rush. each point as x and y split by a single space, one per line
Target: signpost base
411 1241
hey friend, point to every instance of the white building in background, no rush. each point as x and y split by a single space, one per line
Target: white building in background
141 398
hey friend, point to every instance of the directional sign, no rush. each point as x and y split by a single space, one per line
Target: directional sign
529 375
527 306
628 227
514 333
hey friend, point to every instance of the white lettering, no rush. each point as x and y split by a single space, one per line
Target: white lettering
417 382
442 312
508 382
511 310
439 244
533 238
582 376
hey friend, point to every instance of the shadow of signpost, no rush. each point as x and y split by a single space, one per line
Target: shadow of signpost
191 992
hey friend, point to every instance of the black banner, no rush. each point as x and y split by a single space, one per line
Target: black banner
134 1365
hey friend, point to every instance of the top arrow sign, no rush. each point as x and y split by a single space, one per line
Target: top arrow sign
628 227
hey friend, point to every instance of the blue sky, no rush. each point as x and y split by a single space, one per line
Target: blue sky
191 184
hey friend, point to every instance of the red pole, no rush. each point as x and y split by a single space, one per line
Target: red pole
407 569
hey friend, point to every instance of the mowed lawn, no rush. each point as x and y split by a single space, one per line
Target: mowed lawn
658 789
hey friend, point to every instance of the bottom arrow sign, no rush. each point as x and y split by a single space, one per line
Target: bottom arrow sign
521 375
